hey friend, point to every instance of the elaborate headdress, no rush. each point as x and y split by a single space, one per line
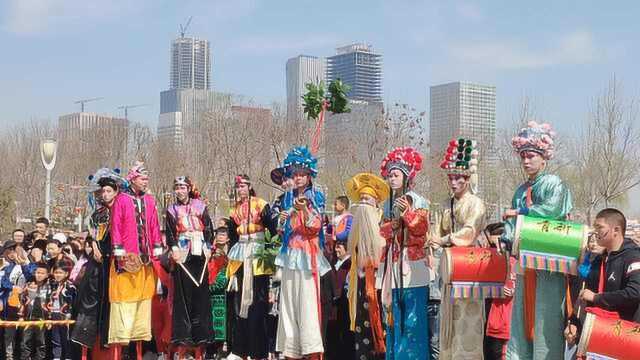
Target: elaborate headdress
300 158
461 157
244 179
406 159
104 177
137 170
186 181
365 183
537 138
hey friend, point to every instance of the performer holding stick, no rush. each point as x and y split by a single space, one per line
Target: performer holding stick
405 282
189 234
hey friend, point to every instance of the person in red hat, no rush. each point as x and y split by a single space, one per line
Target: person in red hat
405 280
460 225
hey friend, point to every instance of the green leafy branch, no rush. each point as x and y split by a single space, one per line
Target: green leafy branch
317 99
266 254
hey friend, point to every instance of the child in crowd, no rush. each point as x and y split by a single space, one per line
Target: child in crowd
218 287
63 294
14 273
33 300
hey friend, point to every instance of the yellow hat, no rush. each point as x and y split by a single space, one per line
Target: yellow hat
366 183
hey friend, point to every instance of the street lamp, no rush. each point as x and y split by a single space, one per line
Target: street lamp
48 150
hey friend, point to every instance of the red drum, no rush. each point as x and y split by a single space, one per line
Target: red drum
609 338
474 272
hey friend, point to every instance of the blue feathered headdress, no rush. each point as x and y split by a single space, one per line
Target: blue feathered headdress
300 158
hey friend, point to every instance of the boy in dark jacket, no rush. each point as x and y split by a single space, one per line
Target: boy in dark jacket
63 294
34 299
613 283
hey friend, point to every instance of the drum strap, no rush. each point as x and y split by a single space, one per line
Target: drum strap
530 285
601 281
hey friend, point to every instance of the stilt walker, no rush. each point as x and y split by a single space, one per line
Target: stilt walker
461 223
538 316
248 277
92 319
366 247
301 259
189 234
405 290
135 236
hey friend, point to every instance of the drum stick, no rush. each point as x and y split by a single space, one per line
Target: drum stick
579 302
206 261
189 274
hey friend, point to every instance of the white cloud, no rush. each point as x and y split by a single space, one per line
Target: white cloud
37 16
572 48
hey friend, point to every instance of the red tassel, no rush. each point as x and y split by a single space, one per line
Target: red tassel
84 353
115 352
139 350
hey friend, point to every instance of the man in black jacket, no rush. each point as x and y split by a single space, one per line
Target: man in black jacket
614 280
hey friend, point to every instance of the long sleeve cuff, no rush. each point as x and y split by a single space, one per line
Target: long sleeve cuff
118 250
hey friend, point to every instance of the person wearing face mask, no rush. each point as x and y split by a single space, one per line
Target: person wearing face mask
366 246
538 319
301 259
613 283
405 289
460 225
92 313
135 240
189 234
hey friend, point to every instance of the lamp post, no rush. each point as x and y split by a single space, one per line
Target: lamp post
48 150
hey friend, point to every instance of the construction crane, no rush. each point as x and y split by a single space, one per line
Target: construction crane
127 107
183 29
83 101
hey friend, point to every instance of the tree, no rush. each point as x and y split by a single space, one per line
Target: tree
606 155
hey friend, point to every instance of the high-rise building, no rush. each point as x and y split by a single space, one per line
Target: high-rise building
100 140
181 111
189 95
301 70
190 64
467 110
360 67
350 139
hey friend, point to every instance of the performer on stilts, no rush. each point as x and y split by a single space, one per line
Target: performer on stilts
189 235
248 278
135 237
461 337
538 317
366 247
91 329
301 259
405 290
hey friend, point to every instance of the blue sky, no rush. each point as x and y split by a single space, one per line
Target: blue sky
559 53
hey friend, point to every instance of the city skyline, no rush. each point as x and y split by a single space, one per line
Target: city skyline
251 42
463 109
301 70
190 63
359 67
